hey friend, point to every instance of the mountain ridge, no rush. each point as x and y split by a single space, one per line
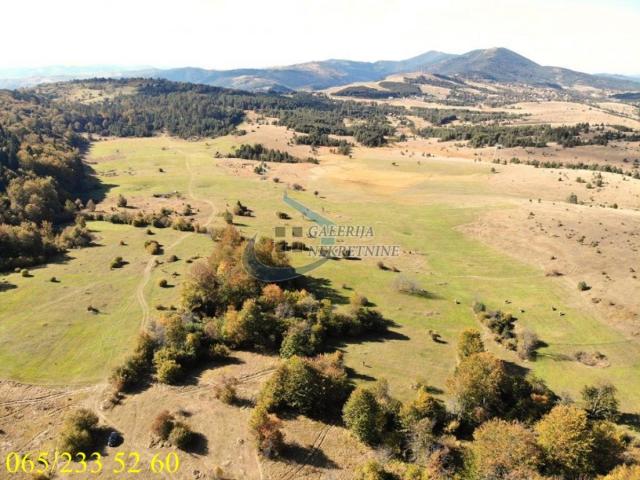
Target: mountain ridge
493 64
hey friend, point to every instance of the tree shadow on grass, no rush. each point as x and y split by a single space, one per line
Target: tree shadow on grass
631 420
556 357
515 370
434 390
94 188
424 294
321 289
352 373
5 286
194 374
371 337
306 456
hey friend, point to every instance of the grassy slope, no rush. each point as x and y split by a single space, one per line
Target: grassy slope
421 218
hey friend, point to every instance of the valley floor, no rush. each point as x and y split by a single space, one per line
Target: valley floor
506 237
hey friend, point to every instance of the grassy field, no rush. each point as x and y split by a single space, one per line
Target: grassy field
417 206
46 331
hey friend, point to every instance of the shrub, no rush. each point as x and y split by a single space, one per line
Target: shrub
363 416
152 247
77 433
163 283
371 470
117 262
470 342
127 375
83 419
573 198
479 307
168 371
219 351
25 273
226 390
74 236
181 436
134 369
424 406
315 387
122 201
369 320
502 325
527 343
404 284
227 216
182 225
163 424
300 340
356 301
583 287
75 441
266 429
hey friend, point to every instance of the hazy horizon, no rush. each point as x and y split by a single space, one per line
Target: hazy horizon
223 34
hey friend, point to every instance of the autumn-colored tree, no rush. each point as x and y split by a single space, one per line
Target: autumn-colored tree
371 470
77 435
477 386
500 449
363 415
267 431
272 295
423 406
469 342
315 387
608 446
566 440
300 340
600 401
250 326
624 472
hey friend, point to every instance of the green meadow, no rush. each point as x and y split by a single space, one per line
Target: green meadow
47 335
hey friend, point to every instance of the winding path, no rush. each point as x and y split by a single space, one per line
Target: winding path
140 296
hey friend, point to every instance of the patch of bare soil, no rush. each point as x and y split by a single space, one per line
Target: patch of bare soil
31 419
316 450
575 243
30 415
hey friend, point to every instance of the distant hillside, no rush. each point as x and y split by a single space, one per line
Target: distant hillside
503 65
495 64
309 76
11 78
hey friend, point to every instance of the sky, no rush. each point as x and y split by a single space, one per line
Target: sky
587 35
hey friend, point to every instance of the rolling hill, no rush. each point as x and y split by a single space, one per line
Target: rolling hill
504 65
494 64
